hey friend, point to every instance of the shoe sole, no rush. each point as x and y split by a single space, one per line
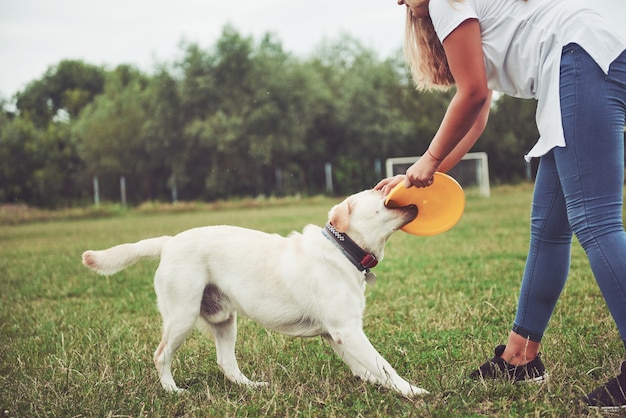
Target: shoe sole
610 409
533 381
536 380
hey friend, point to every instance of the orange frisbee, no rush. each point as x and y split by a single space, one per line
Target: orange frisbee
439 206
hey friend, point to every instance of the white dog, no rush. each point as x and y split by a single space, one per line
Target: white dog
303 285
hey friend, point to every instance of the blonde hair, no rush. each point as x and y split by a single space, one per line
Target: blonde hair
425 55
424 52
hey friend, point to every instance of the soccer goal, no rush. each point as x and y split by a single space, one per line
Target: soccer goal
471 171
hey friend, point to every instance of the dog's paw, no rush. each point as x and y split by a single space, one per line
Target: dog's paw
174 390
414 391
257 385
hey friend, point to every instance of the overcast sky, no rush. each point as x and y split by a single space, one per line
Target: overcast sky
36 34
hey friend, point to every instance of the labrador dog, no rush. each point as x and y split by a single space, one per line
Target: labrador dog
303 285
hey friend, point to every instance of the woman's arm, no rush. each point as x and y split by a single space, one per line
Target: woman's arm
470 103
468 140
454 157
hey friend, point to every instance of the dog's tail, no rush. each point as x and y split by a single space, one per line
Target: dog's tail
114 259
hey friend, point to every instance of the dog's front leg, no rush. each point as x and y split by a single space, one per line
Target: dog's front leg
353 346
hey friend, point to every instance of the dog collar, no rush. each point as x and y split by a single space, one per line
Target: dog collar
361 259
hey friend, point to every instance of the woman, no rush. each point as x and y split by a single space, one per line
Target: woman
561 54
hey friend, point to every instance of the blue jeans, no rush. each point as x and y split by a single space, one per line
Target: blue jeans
579 189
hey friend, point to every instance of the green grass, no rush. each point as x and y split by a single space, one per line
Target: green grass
76 344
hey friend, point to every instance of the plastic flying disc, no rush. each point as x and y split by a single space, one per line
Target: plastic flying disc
439 206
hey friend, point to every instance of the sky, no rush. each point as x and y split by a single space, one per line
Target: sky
37 34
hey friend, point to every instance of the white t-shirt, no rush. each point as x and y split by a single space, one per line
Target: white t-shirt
522 43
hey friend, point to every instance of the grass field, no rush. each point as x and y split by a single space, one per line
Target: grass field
76 344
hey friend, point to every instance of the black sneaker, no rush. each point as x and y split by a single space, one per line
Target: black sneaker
497 368
610 397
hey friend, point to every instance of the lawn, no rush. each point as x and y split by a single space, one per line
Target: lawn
73 343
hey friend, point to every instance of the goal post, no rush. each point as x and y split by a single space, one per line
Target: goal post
471 171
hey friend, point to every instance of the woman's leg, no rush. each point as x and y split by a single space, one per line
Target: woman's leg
547 265
591 171
580 185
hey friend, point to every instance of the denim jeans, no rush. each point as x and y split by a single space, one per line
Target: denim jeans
579 189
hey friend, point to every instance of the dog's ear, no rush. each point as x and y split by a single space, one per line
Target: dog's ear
339 216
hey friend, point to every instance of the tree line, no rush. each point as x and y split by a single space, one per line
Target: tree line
240 118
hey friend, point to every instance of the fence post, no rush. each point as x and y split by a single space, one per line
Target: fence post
174 190
123 190
328 169
96 191
378 169
278 174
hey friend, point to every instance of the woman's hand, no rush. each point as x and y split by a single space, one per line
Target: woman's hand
389 183
421 173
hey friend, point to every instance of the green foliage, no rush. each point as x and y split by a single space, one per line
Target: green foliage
241 118
509 135
78 344
69 86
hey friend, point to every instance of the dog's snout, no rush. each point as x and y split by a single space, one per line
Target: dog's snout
409 213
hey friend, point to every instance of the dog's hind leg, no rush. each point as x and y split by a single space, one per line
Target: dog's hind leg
179 304
175 331
220 320
225 334
353 346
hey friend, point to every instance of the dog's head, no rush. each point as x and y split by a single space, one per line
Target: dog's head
367 221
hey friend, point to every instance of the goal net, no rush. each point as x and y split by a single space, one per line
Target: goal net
471 172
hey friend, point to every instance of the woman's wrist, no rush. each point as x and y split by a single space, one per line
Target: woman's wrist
433 157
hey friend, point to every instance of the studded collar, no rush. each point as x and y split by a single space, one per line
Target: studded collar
361 259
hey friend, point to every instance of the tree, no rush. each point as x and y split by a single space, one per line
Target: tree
239 118
111 133
162 131
215 93
64 89
17 158
509 135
